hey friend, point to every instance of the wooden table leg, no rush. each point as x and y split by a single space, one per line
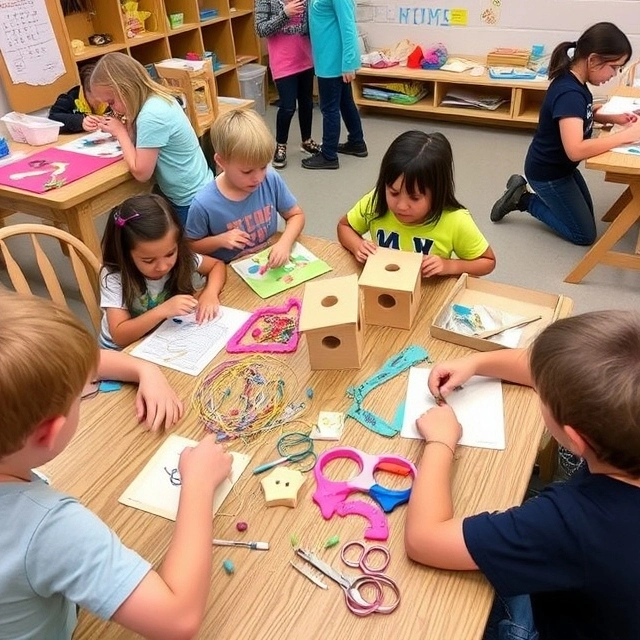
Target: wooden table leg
81 224
615 209
600 251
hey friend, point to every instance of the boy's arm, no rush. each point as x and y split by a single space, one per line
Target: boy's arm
281 250
62 111
156 401
433 536
170 604
511 365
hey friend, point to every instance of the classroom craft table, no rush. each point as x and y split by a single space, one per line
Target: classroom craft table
266 598
76 205
621 168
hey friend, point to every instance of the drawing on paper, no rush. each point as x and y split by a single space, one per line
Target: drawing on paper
99 145
188 346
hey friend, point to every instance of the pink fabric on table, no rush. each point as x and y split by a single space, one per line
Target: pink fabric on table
42 164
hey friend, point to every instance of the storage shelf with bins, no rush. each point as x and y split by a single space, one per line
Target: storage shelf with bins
230 34
524 97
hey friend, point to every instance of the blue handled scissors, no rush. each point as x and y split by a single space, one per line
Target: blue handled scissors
353 585
293 447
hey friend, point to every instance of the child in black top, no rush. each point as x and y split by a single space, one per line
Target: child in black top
77 109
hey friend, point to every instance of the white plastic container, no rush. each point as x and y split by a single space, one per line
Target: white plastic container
33 130
251 78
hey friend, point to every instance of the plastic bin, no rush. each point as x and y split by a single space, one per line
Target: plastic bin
31 129
251 78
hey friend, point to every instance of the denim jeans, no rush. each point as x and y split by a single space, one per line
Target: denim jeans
294 88
336 99
565 205
511 619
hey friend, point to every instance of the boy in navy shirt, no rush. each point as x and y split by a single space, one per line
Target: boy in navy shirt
568 557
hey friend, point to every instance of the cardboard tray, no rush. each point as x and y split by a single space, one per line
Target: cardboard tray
517 300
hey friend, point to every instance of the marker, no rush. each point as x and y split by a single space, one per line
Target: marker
256 546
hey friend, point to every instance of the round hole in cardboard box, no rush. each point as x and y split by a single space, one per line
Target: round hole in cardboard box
329 301
391 267
386 301
331 342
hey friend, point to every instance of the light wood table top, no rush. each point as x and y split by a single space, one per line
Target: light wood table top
266 598
77 204
621 168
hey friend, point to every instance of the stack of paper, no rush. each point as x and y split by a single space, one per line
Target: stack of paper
465 98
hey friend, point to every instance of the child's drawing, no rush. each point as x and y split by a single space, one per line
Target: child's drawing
98 144
156 489
185 345
302 266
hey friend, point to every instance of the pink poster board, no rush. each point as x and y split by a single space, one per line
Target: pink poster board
50 169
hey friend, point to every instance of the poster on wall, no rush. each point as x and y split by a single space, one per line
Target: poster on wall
28 43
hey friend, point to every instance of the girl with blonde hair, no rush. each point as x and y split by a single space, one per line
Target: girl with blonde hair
156 136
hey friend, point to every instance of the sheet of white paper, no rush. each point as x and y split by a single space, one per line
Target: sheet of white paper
28 43
620 104
184 345
478 407
631 149
99 144
153 491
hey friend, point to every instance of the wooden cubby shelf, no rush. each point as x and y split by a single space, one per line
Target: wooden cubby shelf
524 97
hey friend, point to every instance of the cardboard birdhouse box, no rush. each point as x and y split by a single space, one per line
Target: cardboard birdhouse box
331 319
390 282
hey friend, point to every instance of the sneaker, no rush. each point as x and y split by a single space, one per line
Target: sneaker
310 146
320 162
352 149
280 157
510 199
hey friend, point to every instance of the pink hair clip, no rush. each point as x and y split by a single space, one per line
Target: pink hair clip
120 221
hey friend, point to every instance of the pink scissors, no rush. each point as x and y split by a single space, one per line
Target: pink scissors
352 586
331 496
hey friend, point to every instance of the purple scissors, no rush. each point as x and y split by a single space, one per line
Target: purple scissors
353 586
331 496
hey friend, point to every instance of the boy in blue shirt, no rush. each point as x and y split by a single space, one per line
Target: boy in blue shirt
56 554
237 213
564 564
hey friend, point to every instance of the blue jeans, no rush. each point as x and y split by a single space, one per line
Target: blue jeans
295 88
180 211
511 619
565 205
336 99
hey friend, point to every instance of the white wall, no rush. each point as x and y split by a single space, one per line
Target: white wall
520 23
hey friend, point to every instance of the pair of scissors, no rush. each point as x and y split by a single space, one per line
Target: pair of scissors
294 447
352 586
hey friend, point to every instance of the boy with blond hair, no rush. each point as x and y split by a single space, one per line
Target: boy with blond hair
55 552
238 212
564 564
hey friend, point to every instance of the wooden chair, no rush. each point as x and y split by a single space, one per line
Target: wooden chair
85 265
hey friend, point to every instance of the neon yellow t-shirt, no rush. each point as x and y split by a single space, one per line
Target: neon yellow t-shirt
456 232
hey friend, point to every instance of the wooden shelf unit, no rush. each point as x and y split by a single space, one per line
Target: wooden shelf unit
524 96
230 35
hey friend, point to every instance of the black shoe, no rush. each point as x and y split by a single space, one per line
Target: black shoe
280 157
510 199
320 162
352 149
311 147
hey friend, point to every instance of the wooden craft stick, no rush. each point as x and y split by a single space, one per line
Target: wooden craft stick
489 333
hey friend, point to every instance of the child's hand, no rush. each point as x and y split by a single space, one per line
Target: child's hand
623 118
234 239
446 376
279 255
631 132
365 249
294 8
440 423
208 306
156 402
112 125
205 465
91 123
433 266
180 305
